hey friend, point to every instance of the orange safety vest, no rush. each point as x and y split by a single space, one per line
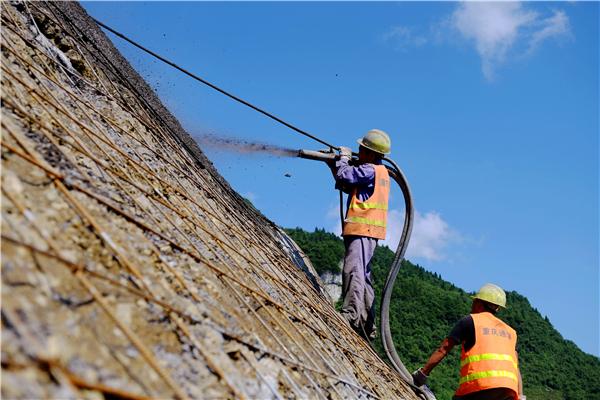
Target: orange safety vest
369 217
492 361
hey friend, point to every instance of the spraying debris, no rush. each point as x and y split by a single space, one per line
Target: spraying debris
360 217
242 146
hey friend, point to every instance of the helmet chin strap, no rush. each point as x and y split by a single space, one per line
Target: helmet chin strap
491 307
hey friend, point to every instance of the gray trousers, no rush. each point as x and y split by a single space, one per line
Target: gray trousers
357 289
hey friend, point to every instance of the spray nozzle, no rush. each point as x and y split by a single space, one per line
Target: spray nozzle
318 155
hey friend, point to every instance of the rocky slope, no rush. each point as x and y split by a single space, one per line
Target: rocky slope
130 268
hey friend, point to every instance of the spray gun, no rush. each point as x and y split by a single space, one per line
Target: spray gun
328 156
320 155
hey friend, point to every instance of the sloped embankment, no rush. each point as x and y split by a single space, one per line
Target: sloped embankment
129 267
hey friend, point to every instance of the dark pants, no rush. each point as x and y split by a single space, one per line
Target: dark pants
489 394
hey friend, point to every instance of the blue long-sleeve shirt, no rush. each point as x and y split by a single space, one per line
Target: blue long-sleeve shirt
348 177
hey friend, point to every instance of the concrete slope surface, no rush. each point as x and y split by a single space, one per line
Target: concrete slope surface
130 268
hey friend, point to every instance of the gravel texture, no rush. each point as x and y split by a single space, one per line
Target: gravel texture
130 268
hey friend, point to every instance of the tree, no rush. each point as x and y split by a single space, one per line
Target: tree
424 308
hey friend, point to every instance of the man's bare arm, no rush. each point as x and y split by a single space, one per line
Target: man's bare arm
438 355
420 376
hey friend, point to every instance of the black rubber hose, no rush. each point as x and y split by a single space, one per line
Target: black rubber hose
384 318
386 335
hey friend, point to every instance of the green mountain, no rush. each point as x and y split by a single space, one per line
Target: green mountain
424 308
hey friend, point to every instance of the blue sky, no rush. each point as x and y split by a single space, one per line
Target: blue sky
492 109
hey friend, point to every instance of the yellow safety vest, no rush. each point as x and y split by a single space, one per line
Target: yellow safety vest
369 218
492 361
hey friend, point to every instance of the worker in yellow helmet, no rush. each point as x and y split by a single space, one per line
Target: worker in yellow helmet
368 184
489 367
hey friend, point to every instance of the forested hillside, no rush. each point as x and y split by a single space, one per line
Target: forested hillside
424 307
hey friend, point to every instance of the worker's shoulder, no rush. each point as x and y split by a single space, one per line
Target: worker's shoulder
463 324
466 318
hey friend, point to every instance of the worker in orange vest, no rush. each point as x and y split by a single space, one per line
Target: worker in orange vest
489 367
368 184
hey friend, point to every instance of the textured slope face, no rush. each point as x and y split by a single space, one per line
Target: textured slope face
129 267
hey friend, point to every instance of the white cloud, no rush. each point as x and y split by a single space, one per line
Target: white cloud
555 26
430 237
498 27
404 37
493 27
498 30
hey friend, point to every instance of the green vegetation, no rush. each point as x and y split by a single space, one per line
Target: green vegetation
424 308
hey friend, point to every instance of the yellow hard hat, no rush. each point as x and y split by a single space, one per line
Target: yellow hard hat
492 294
376 140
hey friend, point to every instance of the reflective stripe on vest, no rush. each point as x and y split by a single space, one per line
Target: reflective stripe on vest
369 218
488 356
366 221
492 361
488 374
367 206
